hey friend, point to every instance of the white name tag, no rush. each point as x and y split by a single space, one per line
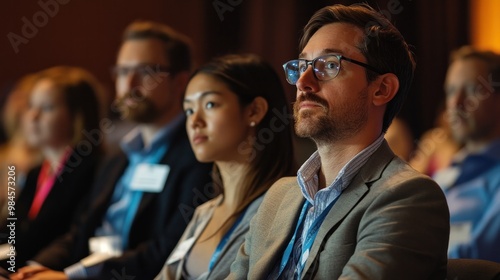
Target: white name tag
181 250
460 233
149 177
5 249
111 244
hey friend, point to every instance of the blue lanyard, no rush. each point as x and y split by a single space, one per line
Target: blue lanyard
136 197
311 235
224 240
289 248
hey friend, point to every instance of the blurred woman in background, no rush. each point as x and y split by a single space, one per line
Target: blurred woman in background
63 108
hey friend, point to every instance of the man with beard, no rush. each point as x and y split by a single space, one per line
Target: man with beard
146 194
355 210
472 182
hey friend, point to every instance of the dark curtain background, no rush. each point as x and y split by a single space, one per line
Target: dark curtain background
87 34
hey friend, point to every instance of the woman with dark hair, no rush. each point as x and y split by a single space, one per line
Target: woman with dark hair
63 107
235 106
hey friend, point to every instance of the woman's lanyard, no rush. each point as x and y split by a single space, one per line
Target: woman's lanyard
45 182
224 241
309 240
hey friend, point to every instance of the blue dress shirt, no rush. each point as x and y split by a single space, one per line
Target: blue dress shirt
473 196
317 205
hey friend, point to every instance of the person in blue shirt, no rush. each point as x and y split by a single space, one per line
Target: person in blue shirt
146 194
472 181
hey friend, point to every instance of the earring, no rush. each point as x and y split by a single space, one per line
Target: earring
252 124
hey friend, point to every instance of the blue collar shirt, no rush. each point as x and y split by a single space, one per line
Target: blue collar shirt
125 201
319 201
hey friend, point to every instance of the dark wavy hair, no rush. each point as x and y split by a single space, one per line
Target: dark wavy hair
383 46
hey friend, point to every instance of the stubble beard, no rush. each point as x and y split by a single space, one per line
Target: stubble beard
142 111
326 127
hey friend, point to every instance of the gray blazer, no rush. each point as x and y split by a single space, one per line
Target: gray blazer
173 268
390 223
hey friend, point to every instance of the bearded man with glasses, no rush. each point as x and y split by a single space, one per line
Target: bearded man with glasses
355 210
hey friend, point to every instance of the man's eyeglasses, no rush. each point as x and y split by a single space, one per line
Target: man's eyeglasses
326 67
141 70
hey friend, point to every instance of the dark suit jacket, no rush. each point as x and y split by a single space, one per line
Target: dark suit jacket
159 222
61 206
391 222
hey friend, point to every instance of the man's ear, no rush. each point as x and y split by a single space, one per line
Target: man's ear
388 85
257 110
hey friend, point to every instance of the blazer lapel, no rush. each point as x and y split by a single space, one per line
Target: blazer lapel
281 230
113 174
350 197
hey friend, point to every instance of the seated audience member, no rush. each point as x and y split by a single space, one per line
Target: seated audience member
400 138
355 210
63 105
230 105
435 149
139 200
16 151
472 182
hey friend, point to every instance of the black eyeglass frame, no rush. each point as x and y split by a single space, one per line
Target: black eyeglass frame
313 62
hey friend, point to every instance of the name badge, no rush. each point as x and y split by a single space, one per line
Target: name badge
181 251
149 177
460 233
111 244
